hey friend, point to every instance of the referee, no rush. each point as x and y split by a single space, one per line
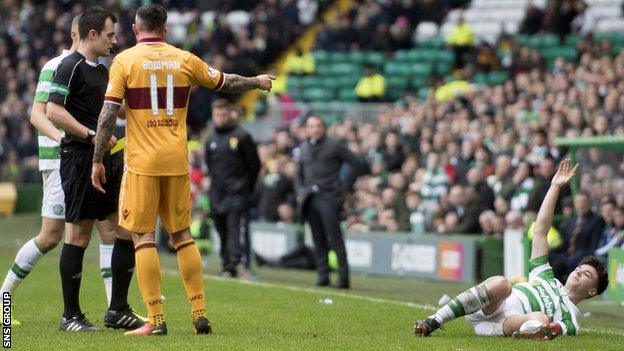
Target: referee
320 193
75 100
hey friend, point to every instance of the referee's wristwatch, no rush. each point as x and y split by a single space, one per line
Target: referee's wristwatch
90 135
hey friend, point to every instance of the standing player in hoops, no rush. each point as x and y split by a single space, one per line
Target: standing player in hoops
53 207
541 308
155 78
76 96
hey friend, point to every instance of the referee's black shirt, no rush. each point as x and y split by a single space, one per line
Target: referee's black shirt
80 85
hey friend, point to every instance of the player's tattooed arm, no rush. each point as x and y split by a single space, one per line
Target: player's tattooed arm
233 83
105 128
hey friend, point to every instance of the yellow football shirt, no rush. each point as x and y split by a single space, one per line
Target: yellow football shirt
155 80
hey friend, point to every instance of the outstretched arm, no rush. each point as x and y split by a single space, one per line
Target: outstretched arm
233 83
545 215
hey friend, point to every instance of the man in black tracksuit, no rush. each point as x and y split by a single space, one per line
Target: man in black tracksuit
233 166
321 192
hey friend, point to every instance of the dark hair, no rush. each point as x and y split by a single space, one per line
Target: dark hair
603 275
153 17
94 18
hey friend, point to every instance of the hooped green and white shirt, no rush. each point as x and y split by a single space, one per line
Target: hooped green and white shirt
49 150
545 293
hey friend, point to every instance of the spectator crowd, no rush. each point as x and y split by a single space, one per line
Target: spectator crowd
476 163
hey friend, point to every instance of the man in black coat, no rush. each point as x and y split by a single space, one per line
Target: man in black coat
233 166
581 233
321 191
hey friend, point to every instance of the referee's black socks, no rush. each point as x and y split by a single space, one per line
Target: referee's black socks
122 267
71 275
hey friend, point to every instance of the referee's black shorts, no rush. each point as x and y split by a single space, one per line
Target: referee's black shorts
82 200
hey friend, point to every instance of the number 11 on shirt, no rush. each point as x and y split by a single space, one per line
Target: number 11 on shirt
168 94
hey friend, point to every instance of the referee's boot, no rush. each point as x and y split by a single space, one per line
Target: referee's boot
78 323
127 320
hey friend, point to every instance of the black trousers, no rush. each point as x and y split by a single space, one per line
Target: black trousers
228 227
323 216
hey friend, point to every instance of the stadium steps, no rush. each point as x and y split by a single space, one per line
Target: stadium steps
249 99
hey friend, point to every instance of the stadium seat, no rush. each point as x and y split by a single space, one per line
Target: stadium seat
320 57
317 95
347 95
375 58
338 69
421 69
397 83
431 43
397 68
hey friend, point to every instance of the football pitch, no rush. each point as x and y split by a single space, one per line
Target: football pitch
280 312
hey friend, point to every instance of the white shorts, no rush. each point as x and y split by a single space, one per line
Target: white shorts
53 203
492 324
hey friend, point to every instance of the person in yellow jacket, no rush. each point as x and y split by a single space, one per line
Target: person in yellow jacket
371 87
462 39
299 63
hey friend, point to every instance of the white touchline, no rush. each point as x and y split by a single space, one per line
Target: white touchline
354 296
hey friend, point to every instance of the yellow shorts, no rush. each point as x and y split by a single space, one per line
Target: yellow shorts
142 198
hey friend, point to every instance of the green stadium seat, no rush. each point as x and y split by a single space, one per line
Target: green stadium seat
423 55
446 56
320 56
571 39
357 57
328 83
338 69
293 82
401 55
423 93
397 68
311 81
339 56
375 58
422 69
398 82
317 95
324 69
431 43
480 78
443 68
497 77
347 95
418 82
346 81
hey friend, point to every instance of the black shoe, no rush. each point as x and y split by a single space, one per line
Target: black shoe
202 326
426 327
78 323
127 320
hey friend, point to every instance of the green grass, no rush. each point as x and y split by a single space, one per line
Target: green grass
280 313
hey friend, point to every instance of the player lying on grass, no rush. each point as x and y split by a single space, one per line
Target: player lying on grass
541 308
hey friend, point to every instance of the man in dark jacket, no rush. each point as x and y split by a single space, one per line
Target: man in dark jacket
321 192
582 234
233 167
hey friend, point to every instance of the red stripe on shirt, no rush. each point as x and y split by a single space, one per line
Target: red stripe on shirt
139 98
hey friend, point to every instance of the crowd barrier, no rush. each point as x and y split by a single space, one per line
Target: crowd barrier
428 256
